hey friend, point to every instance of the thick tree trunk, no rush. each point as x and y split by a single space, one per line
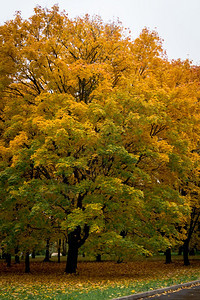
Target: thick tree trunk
59 245
8 259
72 257
186 253
47 253
27 263
168 256
195 214
75 241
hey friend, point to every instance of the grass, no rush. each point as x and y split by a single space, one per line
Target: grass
105 280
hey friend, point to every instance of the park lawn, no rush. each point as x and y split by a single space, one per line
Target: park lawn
94 281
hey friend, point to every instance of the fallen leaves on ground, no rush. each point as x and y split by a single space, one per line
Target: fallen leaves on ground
50 281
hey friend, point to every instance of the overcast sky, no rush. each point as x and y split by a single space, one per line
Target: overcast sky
176 21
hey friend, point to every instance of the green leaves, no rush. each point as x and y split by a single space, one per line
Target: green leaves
91 215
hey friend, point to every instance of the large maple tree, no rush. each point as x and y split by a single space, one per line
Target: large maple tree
95 134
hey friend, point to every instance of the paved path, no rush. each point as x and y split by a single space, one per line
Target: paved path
184 294
184 291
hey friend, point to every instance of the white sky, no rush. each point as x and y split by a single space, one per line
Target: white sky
176 21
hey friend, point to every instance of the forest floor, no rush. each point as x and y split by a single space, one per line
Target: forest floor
95 280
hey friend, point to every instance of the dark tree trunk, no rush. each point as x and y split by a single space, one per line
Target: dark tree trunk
195 214
16 255
27 263
168 256
180 250
192 251
59 245
3 254
123 233
47 253
72 257
186 253
33 254
8 259
98 257
75 241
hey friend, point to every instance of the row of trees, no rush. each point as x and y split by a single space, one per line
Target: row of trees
99 138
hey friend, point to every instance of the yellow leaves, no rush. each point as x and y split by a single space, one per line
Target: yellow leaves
62 139
85 71
19 141
78 109
48 103
5 152
146 48
74 57
95 228
47 280
80 217
108 118
43 157
96 113
50 127
163 148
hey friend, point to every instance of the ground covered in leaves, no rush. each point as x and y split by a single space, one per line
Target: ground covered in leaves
104 280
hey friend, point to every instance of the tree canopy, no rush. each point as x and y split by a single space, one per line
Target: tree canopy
99 136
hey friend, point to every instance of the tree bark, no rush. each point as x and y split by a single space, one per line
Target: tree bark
168 256
75 241
33 254
27 263
8 259
195 214
180 250
186 253
59 246
72 255
98 258
47 253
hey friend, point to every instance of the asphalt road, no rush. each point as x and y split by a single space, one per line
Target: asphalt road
192 293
